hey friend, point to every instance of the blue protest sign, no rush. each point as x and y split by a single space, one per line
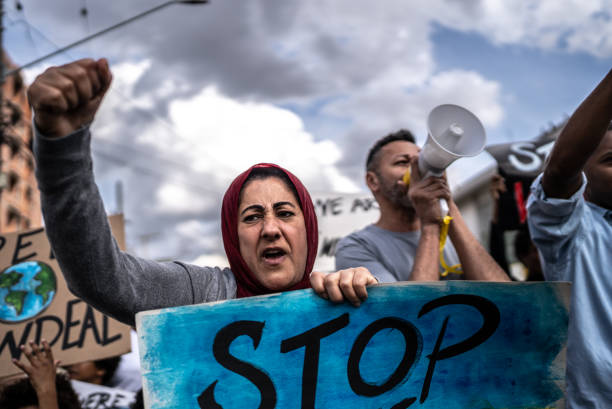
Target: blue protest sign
452 345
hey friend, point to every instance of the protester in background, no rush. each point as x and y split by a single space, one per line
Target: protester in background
497 244
269 224
524 248
570 219
98 372
410 219
44 388
527 253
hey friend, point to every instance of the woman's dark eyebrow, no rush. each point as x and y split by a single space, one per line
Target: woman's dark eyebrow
280 204
260 208
256 207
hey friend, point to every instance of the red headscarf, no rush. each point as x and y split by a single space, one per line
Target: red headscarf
245 280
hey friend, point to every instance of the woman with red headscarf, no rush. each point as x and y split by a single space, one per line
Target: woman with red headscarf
268 220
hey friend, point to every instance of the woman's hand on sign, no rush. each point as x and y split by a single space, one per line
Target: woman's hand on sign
425 194
40 368
349 284
66 98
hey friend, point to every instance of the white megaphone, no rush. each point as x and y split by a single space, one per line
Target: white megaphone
453 133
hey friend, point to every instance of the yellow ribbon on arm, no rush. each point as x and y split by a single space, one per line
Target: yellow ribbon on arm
445 223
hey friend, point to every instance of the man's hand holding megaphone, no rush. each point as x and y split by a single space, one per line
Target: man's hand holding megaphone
425 194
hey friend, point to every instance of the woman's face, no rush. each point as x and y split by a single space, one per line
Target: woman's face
272 233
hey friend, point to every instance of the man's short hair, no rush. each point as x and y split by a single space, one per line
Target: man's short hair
401 135
610 126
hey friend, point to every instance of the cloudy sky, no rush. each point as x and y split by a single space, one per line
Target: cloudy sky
201 92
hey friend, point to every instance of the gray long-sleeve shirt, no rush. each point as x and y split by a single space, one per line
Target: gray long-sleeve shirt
112 281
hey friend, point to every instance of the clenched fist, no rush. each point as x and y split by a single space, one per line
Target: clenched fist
66 98
425 194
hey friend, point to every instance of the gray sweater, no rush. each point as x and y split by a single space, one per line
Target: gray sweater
112 281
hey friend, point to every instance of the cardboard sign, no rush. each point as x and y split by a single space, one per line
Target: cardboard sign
35 303
94 396
451 345
339 215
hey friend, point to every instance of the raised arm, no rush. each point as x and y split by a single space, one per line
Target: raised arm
477 264
578 140
65 100
425 195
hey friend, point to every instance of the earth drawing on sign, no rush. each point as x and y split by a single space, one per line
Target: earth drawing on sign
26 289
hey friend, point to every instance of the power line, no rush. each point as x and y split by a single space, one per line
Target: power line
162 121
113 157
156 157
28 32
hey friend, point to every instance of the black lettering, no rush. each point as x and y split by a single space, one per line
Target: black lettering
104 397
333 206
311 339
328 248
39 328
336 206
69 324
322 204
365 204
206 400
2 242
413 347
89 322
97 400
105 339
21 245
10 341
404 404
221 346
490 315
117 400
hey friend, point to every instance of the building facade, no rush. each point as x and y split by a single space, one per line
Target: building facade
19 197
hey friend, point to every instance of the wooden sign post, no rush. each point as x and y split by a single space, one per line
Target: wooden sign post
35 303
451 345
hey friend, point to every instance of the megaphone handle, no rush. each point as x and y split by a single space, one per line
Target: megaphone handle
443 208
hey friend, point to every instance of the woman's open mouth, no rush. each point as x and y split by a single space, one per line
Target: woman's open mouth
273 255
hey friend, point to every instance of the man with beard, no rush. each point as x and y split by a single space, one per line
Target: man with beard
389 247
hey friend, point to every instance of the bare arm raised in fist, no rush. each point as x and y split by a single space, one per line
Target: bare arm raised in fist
67 98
